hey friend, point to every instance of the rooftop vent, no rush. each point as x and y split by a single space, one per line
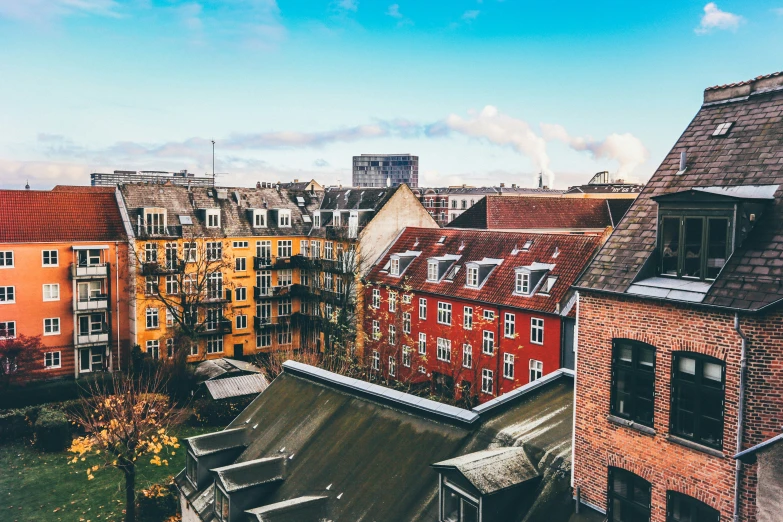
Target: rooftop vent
527 245
514 251
722 129
461 246
683 163
556 252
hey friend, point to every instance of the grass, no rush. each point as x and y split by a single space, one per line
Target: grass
37 486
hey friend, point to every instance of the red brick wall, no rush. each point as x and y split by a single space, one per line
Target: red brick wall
519 345
600 443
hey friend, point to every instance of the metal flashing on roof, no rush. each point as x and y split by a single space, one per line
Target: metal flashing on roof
236 386
743 191
494 469
286 506
670 288
522 390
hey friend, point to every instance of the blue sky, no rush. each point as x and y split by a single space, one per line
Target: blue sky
483 91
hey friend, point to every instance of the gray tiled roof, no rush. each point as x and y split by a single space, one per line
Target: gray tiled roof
235 221
750 154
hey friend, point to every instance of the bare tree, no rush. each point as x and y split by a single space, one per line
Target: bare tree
124 420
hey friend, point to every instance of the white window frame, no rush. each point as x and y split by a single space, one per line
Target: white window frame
422 308
50 264
285 246
467 355
376 330
392 298
240 264
508 366
152 319
444 313
214 250
316 220
406 323
240 293
487 381
212 218
522 283
444 350
472 277
4 327
284 218
489 315
153 348
392 366
392 335
241 322
376 298
259 218
5 299
488 342
49 360
215 344
406 356
394 266
536 369
422 343
6 259
52 296
375 360
467 318
536 330
509 325
432 271
52 323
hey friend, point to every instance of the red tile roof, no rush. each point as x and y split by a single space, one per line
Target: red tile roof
525 213
31 216
574 252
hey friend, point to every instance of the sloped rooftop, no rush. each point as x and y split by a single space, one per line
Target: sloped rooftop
372 459
750 154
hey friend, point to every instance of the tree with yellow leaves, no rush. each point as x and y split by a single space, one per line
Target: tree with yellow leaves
125 420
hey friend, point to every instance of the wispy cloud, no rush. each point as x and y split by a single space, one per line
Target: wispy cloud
394 11
349 5
46 10
715 19
470 15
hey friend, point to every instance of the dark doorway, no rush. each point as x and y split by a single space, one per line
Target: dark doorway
239 351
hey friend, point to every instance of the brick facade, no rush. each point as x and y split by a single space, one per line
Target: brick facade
668 465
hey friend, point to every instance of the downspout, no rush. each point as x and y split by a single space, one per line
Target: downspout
740 415
576 376
117 292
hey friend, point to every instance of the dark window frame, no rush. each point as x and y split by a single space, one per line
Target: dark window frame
705 216
701 512
635 482
698 398
635 371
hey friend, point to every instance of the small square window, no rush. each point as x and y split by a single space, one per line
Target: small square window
52 326
50 258
722 129
52 360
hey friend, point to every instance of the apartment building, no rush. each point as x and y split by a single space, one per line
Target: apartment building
475 313
385 170
63 268
679 337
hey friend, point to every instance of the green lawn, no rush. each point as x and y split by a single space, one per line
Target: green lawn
37 486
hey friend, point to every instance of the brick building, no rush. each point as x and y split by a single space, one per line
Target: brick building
476 313
63 269
679 335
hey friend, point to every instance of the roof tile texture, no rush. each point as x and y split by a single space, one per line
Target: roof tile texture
520 212
30 216
574 253
751 154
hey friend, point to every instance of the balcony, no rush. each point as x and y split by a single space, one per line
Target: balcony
95 302
222 327
262 292
261 263
93 337
151 269
224 296
89 271
263 322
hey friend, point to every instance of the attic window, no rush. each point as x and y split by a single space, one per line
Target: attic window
693 246
213 218
283 218
432 271
722 129
527 245
523 283
222 510
191 466
394 267
317 220
259 218
155 221
306 218
472 277
336 219
185 220
300 201
441 240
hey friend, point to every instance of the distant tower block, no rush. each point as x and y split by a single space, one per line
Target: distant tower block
381 170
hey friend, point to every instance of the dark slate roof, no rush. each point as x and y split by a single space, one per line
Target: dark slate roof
233 437
750 154
356 198
573 253
235 221
85 214
372 460
521 212
493 469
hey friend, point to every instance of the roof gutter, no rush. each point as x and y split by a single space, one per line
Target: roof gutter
740 415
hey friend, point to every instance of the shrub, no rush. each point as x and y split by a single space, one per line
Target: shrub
15 424
158 502
52 431
208 412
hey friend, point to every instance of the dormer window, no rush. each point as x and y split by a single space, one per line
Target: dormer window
522 283
284 218
222 508
336 219
213 218
155 221
432 271
191 469
472 277
317 220
394 268
259 218
694 246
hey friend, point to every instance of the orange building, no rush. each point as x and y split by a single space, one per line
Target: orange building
63 276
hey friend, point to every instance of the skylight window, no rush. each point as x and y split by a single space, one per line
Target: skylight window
722 129
527 245
441 240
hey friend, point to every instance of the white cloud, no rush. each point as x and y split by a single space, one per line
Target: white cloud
45 10
714 18
499 129
626 149
349 5
470 15
394 11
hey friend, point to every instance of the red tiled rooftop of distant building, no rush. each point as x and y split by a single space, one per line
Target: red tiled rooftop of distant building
528 213
30 216
574 252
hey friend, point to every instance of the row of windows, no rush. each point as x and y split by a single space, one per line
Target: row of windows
445 317
50 258
51 292
697 391
629 500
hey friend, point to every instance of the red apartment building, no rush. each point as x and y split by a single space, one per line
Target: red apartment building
680 344
474 311
64 277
